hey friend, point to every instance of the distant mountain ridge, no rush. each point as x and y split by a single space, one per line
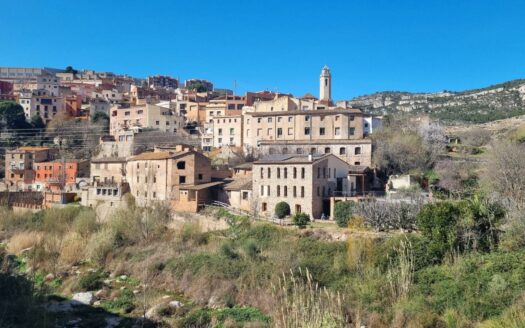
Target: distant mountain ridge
495 102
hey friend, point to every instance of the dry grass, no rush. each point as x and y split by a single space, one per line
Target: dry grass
24 240
73 249
301 303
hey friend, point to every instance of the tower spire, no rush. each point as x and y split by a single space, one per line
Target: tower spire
325 84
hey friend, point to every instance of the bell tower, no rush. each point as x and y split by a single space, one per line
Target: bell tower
325 85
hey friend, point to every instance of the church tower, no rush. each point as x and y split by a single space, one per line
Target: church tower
325 85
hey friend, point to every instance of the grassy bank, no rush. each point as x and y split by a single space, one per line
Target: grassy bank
258 274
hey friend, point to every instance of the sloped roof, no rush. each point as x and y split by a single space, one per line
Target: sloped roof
244 183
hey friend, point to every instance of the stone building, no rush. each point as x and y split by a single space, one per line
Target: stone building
305 182
108 184
147 116
306 125
20 165
181 176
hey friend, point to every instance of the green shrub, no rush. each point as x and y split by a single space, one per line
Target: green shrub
124 303
206 264
438 225
241 315
301 220
343 212
251 249
482 286
199 318
282 209
91 281
227 250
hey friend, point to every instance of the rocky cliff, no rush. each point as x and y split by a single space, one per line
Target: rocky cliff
476 106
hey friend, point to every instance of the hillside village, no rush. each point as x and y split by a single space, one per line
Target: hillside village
130 202
212 147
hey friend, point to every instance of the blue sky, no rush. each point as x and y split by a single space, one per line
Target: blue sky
277 45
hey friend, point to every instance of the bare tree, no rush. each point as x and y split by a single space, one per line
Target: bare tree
504 172
456 177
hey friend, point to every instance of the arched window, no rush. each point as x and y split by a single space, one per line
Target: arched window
327 150
278 173
302 192
269 172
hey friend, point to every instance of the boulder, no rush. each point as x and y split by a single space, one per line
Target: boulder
86 298
153 312
175 305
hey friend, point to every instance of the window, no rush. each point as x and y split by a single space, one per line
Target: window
278 173
157 123
313 151
269 173
337 131
285 150
306 131
357 163
357 151
244 195
138 179
324 172
154 194
318 191
342 151
199 177
259 132
268 190
264 207
290 131
181 165
262 190
279 119
290 118
307 118
182 179
337 117
270 132
299 150
321 131
220 132
352 117
269 120
318 172
259 120
327 150
232 131
294 191
351 131
279 132
286 173
278 191
295 173
262 172
285 191
302 191
302 172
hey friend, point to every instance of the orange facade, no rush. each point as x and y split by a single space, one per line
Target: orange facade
57 174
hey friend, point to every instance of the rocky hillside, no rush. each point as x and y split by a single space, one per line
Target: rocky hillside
474 106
